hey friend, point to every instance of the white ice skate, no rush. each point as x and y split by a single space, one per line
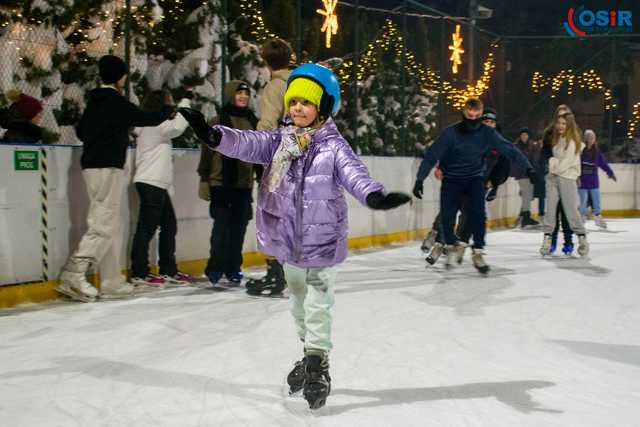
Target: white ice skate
450 257
461 247
477 256
76 287
121 291
428 242
434 254
545 249
583 246
600 222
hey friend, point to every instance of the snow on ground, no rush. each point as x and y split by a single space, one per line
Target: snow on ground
540 342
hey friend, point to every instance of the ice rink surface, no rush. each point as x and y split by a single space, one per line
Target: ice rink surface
540 342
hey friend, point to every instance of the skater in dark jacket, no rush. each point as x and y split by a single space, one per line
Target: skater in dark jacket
104 131
461 149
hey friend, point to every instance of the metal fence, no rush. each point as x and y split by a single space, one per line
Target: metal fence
395 66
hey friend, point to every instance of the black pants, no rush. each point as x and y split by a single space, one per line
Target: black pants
231 212
156 210
566 228
452 195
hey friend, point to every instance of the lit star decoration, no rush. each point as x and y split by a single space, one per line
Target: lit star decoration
330 25
456 50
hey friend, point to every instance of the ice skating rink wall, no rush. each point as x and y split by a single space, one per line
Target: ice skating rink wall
26 244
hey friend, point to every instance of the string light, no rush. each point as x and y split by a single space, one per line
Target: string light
330 25
250 9
429 79
456 48
635 119
589 80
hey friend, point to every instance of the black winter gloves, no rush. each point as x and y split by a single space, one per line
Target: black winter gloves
378 201
418 189
203 131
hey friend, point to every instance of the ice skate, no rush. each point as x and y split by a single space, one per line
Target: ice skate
527 221
296 377
428 242
451 256
461 247
317 382
270 285
76 287
600 222
545 249
583 246
477 256
567 248
122 290
434 254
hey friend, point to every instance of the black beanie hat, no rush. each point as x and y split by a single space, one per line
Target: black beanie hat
243 86
111 69
489 114
524 130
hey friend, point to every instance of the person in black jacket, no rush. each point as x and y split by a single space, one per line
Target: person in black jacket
104 131
21 119
461 149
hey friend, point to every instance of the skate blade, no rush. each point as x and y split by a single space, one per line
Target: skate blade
76 296
114 297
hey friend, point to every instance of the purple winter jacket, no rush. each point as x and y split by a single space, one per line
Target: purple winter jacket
304 221
589 172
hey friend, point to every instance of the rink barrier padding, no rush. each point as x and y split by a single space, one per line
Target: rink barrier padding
13 295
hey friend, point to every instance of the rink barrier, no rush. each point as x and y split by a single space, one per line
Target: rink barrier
44 214
22 205
37 292
13 295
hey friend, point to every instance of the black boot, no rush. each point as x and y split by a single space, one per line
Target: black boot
527 221
270 285
296 377
317 384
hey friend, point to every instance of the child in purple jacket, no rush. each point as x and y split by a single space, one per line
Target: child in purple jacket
301 214
589 184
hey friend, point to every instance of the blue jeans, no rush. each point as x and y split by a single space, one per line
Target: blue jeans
595 200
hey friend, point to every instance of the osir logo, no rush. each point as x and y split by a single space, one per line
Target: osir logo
581 21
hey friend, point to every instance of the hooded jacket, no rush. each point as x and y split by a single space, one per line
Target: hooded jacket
104 127
304 221
211 165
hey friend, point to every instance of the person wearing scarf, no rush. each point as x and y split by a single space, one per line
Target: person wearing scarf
227 185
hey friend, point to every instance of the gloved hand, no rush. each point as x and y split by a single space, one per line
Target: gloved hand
204 192
491 194
203 131
418 189
378 201
613 177
532 175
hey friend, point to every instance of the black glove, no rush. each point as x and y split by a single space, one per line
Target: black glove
203 131
491 194
378 201
532 175
418 189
